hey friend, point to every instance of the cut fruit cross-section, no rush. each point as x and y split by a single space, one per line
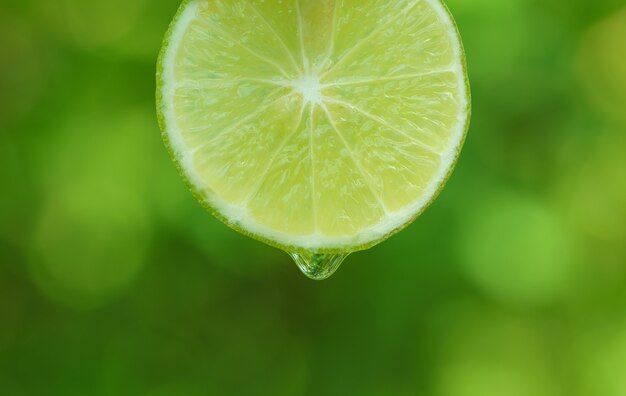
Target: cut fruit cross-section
320 127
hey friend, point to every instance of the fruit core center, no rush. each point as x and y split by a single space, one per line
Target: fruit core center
309 87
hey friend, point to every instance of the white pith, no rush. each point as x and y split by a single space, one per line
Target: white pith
310 88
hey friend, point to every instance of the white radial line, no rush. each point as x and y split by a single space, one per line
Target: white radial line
389 78
331 44
312 155
372 33
305 61
251 51
280 83
250 116
354 159
384 123
277 36
272 159
212 81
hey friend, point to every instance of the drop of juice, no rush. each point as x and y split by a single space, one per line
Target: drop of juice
318 266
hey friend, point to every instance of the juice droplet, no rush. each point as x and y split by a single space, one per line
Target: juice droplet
318 266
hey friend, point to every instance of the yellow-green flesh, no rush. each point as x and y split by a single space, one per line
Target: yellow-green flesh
314 124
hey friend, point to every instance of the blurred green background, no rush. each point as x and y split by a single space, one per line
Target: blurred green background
114 281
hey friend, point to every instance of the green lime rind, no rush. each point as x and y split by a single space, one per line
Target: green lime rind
203 198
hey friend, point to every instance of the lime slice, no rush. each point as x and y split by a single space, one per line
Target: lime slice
320 127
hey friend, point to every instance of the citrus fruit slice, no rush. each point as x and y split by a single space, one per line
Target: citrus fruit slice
317 126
